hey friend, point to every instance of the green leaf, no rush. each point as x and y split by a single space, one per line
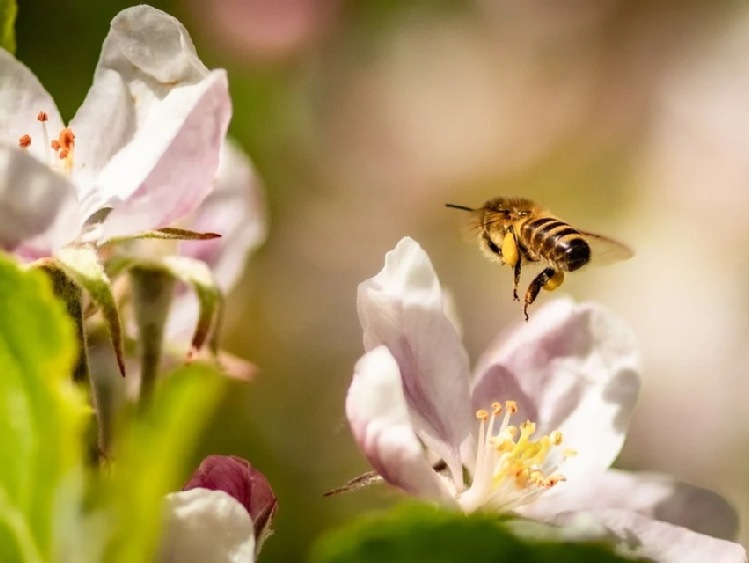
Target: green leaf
82 264
151 457
41 413
417 533
8 11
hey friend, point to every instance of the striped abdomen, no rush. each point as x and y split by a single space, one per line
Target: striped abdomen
547 239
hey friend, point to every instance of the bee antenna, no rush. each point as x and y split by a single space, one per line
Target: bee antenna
463 207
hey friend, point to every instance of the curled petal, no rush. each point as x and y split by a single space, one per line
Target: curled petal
659 541
166 171
576 370
37 205
380 422
204 525
402 308
149 133
655 496
22 97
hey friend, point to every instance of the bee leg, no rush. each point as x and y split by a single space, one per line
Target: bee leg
549 276
516 280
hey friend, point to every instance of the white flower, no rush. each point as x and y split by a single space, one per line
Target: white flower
144 143
536 428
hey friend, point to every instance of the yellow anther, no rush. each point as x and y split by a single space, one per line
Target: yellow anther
569 452
482 415
496 407
25 141
528 427
556 437
511 406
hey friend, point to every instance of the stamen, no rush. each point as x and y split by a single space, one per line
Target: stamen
513 466
25 141
42 116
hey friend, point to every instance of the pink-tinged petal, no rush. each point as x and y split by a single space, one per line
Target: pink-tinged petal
377 412
35 205
248 486
659 541
235 210
656 496
146 54
22 97
204 525
168 168
402 308
573 368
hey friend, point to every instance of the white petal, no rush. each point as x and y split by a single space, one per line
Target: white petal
205 525
146 54
654 495
660 541
168 168
35 203
149 133
379 419
22 97
402 308
235 210
576 369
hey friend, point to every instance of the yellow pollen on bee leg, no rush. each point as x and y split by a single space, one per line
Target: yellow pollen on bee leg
555 281
510 254
24 141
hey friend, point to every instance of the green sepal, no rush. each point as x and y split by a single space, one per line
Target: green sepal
82 263
415 533
197 275
8 11
167 233
152 457
42 415
71 294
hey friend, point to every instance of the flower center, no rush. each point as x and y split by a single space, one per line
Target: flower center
513 467
63 146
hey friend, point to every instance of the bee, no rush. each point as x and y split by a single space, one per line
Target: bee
517 231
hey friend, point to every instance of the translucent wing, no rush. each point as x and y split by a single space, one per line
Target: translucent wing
604 250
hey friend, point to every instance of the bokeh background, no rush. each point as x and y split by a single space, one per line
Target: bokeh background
363 118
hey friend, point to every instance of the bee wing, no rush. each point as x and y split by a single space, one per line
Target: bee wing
604 250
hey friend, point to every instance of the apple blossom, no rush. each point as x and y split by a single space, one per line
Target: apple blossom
140 153
223 514
552 401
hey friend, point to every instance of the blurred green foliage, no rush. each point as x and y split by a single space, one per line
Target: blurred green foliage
8 10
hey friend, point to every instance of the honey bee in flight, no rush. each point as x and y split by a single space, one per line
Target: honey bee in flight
517 231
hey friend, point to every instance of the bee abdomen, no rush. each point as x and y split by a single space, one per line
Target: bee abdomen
575 252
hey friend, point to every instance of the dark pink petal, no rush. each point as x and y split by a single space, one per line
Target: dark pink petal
660 541
572 368
381 425
402 308
655 496
247 485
